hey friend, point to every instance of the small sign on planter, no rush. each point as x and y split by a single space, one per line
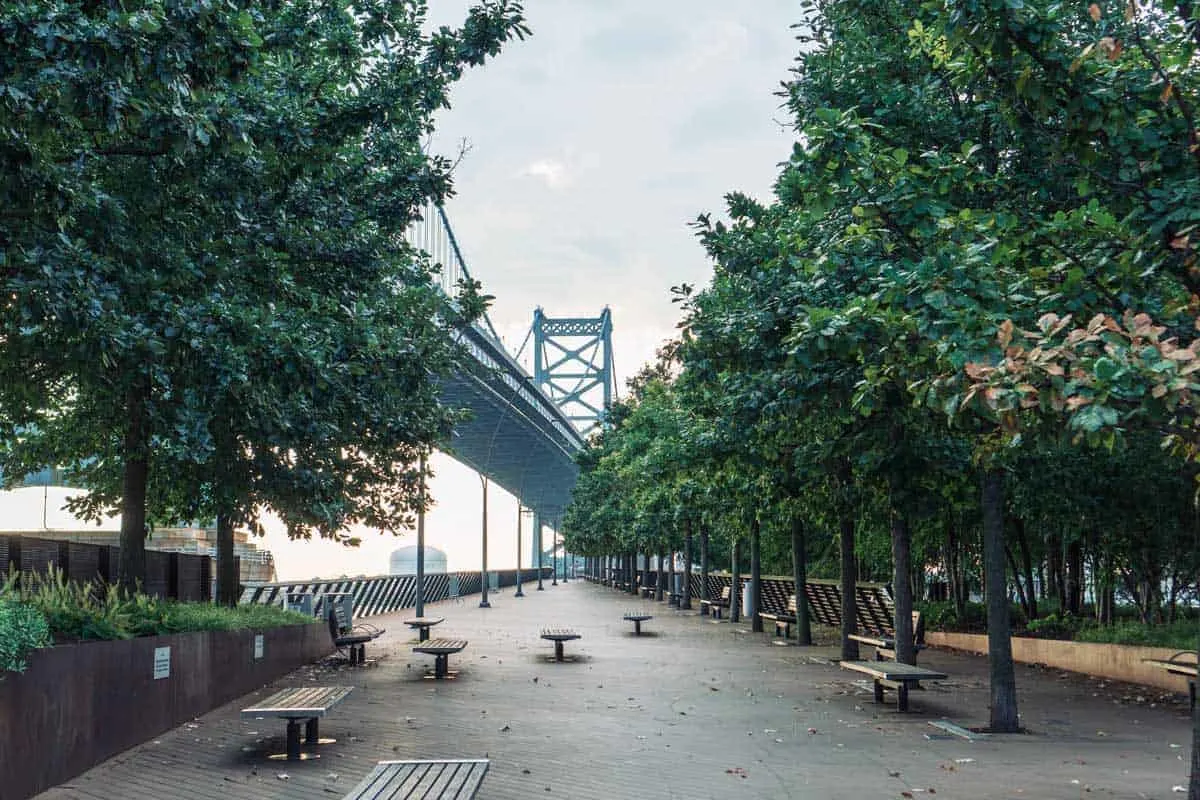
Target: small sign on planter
162 663
258 646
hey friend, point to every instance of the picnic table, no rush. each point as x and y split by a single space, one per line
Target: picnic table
893 675
558 636
422 779
441 649
422 625
637 618
308 703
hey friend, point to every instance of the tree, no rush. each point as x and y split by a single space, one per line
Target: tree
214 309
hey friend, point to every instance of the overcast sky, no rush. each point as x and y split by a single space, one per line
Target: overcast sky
591 147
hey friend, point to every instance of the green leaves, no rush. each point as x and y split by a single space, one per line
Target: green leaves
207 203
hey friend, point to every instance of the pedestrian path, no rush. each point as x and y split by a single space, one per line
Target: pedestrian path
691 708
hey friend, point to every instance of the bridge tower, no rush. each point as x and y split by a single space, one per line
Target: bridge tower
573 365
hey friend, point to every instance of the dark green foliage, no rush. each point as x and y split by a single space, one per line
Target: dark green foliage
72 611
22 628
211 307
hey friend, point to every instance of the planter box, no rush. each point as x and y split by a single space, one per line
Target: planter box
79 704
1120 662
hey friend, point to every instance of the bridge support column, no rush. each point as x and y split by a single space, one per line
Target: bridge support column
483 575
520 590
537 545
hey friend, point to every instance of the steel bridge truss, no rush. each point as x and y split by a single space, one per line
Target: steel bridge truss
573 365
516 435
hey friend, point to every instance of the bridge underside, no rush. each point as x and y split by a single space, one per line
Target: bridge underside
513 445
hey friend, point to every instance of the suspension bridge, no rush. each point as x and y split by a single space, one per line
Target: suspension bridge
524 429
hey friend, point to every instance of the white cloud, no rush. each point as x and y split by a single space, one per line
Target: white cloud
716 44
555 174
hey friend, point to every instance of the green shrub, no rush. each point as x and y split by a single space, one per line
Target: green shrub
942 616
1055 626
22 628
1180 635
77 611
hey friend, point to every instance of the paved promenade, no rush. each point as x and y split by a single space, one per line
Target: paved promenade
695 709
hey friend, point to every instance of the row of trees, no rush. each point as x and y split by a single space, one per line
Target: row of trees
210 308
960 334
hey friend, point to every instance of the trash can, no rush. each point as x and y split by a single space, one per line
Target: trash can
747 597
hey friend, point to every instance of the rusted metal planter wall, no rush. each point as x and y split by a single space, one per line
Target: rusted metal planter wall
79 704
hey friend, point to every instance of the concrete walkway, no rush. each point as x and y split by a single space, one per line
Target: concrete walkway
691 709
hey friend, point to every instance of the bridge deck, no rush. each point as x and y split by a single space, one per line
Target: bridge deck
698 709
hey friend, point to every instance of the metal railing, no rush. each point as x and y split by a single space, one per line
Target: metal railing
383 594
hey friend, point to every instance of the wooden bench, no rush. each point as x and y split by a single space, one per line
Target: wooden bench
885 642
714 607
783 620
345 636
893 675
422 625
637 618
307 703
558 636
441 649
1182 663
393 780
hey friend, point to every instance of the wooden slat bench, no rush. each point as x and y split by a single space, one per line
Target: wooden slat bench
714 607
1182 663
393 780
441 649
308 703
422 625
351 637
637 618
885 642
558 636
783 620
893 675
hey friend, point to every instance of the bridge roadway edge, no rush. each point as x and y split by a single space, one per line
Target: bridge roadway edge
691 709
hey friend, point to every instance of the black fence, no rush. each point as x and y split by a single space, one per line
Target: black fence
176 576
824 596
383 594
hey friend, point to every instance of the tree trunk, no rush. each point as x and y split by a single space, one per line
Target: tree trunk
1012 563
1074 577
799 578
686 600
849 578
646 567
671 575
131 569
1004 717
1031 608
1057 568
660 578
735 594
756 623
958 580
704 592
228 580
849 566
901 585
1194 784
